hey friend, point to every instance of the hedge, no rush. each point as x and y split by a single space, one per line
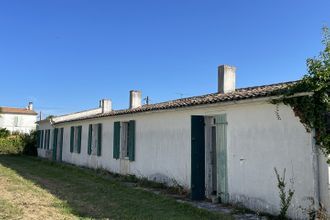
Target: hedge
11 145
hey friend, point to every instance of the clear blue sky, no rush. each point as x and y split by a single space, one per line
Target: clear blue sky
65 55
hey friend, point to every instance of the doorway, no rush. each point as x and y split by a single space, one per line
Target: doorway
197 158
209 177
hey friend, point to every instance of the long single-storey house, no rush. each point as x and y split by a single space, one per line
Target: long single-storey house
222 145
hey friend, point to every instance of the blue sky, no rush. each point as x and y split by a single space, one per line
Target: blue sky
65 55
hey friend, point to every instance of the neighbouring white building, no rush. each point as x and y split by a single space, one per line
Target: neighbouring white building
225 145
21 120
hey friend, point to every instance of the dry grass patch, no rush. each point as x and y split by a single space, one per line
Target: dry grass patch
20 198
40 189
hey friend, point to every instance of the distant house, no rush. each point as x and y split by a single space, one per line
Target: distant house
18 119
221 145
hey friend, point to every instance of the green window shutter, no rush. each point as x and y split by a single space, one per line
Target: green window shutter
48 140
79 138
99 139
45 139
55 143
116 139
221 142
42 139
131 140
71 139
61 144
38 138
89 148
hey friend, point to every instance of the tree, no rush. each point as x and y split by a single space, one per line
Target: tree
313 110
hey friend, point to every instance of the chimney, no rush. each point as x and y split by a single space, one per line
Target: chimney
226 79
106 105
30 106
135 99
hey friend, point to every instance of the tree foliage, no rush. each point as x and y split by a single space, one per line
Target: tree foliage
4 133
313 110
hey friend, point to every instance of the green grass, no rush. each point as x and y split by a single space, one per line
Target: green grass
8 210
69 192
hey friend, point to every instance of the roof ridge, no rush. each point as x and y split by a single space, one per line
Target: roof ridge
211 98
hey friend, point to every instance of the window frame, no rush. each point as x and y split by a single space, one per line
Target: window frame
124 140
95 139
75 139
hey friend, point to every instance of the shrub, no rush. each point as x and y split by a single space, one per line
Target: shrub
4 133
19 144
29 143
11 145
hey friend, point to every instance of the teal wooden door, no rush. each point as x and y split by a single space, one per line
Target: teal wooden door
61 144
197 158
55 143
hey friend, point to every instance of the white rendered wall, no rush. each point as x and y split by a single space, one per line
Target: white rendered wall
42 152
257 141
18 122
324 175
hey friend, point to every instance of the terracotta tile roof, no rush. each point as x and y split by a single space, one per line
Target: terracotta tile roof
239 94
11 110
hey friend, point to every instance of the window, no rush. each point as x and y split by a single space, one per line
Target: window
124 149
75 139
47 139
124 140
39 132
41 143
94 139
16 121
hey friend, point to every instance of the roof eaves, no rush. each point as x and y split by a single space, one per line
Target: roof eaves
212 98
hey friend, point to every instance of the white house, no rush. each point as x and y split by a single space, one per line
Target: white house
225 144
21 120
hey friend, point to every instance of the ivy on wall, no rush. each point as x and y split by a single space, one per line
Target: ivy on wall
313 109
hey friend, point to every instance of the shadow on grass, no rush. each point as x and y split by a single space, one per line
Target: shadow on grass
92 195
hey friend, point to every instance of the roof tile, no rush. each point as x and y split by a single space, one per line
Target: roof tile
11 110
239 94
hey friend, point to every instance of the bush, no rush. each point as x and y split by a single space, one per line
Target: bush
4 133
11 145
29 143
19 144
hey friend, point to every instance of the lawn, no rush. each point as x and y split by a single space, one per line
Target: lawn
33 188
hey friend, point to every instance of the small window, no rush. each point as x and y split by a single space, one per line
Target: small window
39 138
16 121
94 139
124 149
41 145
124 140
75 139
46 139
